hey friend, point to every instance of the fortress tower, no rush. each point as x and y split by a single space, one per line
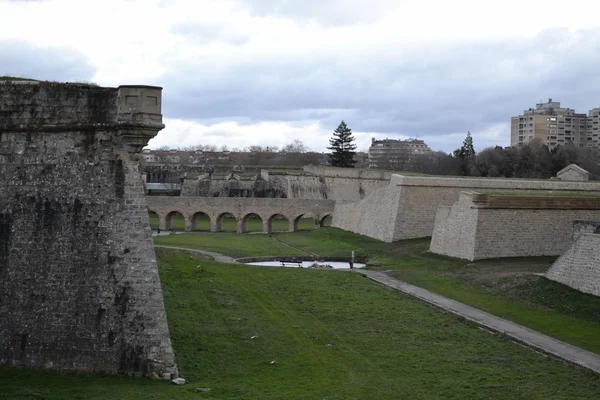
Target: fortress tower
79 285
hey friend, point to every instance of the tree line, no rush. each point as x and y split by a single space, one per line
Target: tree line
533 160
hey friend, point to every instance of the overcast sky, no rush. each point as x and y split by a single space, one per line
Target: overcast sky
266 72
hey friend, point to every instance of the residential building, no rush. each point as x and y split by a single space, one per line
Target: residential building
554 125
395 154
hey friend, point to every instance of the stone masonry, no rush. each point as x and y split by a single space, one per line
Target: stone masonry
240 208
406 208
573 172
79 285
579 267
319 183
483 226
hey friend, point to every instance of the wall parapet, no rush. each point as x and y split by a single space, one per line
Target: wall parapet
32 106
535 202
494 183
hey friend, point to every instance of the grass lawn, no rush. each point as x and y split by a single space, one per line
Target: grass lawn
331 335
230 224
505 287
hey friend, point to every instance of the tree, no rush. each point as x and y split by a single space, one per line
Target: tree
466 155
295 147
342 147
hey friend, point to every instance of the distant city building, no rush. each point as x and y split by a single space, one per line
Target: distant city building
554 125
395 154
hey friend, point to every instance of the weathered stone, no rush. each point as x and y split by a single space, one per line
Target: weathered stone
241 208
573 172
579 267
483 226
79 286
406 208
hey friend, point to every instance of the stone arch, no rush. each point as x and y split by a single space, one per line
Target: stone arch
176 219
217 221
200 221
290 224
298 220
325 220
249 217
155 219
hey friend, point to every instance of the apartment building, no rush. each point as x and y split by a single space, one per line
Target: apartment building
394 154
554 125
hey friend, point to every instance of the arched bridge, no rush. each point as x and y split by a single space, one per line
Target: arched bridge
239 207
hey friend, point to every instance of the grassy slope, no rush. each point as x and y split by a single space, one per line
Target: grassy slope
529 300
383 345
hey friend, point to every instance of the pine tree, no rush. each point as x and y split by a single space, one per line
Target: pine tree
342 147
466 154
468 146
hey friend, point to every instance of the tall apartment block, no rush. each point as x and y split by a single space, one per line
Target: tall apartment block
554 125
394 154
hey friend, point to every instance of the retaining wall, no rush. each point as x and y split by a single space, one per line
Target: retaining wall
412 202
482 226
579 267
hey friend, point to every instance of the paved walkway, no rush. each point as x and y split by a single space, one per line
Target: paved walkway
217 256
529 337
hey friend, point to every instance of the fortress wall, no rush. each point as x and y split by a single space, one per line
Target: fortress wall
355 173
581 226
286 185
239 206
232 188
420 198
423 195
455 229
482 226
579 266
374 216
79 285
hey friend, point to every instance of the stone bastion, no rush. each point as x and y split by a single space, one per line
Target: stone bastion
407 206
79 285
480 225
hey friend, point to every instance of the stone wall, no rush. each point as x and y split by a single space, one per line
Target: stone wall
79 286
240 208
491 226
573 172
308 185
581 227
579 266
415 200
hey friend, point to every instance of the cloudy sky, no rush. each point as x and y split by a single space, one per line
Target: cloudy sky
266 72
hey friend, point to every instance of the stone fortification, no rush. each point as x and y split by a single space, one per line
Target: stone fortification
315 183
412 202
79 286
579 266
573 172
483 226
240 208
580 227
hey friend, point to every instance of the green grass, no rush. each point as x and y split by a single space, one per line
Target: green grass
230 224
383 345
506 287
231 244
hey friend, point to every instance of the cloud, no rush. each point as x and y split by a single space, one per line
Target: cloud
330 12
395 68
23 59
429 92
